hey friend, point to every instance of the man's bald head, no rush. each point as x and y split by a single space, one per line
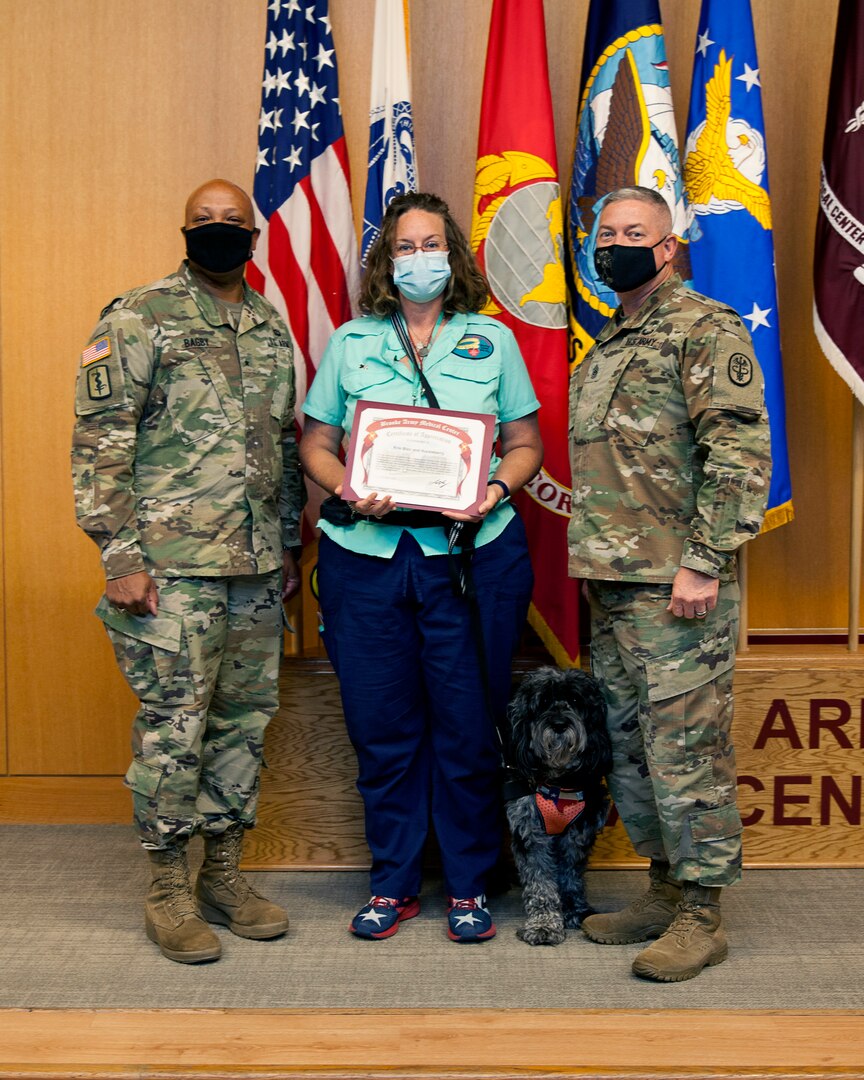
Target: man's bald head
219 200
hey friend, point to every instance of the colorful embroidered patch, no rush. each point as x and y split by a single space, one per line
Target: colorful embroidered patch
99 382
99 350
474 347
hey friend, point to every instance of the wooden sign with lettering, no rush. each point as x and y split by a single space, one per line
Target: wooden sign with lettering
799 742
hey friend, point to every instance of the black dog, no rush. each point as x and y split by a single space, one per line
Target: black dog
557 802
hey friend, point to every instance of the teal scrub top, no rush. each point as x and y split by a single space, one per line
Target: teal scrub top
474 365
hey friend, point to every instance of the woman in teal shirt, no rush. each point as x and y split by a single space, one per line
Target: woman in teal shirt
399 637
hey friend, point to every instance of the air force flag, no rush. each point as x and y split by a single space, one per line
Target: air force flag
392 164
726 176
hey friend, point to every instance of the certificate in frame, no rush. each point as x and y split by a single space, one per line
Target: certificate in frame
424 459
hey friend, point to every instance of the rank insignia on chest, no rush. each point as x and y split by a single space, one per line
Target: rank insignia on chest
99 350
474 347
99 382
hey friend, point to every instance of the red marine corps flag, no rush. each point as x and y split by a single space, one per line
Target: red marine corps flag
839 262
517 233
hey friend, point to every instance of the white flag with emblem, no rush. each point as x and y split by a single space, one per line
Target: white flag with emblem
392 163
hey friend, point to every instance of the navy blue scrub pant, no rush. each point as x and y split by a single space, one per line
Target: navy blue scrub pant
403 648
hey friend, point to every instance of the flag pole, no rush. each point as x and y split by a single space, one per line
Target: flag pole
857 522
744 607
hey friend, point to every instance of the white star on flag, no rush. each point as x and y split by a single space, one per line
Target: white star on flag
323 57
306 257
758 317
703 43
295 158
750 78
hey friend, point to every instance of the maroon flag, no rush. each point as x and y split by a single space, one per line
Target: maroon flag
839 260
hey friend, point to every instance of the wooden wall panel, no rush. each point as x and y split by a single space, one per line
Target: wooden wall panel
112 110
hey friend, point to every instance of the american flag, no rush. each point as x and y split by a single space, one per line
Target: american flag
306 259
97 351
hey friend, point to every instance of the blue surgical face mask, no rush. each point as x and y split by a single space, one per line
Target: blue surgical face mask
422 276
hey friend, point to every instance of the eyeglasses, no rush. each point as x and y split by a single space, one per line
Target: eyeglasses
405 247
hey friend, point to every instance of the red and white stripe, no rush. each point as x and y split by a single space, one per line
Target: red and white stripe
306 260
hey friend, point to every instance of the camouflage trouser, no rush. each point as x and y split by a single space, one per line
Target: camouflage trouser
668 685
205 670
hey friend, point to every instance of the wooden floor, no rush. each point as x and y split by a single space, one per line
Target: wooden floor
441 1043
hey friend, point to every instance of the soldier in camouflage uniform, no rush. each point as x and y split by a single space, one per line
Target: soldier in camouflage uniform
186 476
670 454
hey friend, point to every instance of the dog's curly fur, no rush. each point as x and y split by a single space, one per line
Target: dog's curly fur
557 733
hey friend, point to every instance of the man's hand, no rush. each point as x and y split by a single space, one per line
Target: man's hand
135 593
290 575
693 594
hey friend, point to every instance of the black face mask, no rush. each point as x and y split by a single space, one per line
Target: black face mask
219 247
625 268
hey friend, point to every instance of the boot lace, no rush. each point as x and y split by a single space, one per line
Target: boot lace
179 899
685 922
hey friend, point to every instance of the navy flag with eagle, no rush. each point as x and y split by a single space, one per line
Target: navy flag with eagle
625 136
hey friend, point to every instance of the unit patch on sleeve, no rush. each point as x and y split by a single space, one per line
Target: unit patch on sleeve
740 369
99 382
474 347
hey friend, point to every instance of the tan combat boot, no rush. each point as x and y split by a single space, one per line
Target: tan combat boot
171 915
226 897
647 917
695 939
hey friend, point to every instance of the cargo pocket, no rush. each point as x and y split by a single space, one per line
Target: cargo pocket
152 654
687 709
144 779
716 836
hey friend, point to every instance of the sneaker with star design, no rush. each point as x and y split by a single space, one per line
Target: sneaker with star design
380 918
469 919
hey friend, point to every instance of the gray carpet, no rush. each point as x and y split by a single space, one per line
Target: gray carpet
71 936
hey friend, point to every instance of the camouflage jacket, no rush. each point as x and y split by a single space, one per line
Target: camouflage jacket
184 453
669 442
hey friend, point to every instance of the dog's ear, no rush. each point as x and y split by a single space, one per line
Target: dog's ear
586 690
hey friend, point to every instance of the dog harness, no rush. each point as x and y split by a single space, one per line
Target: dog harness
558 808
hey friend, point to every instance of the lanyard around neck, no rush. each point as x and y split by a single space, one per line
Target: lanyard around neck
398 324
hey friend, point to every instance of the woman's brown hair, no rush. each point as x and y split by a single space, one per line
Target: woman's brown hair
467 290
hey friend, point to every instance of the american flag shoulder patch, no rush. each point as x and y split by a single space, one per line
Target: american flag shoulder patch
99 350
